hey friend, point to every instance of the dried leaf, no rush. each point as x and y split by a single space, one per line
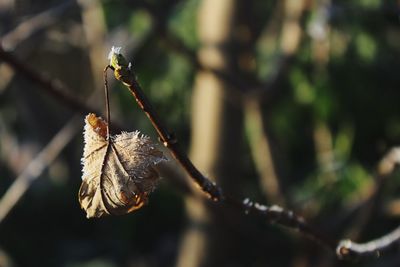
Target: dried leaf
118 173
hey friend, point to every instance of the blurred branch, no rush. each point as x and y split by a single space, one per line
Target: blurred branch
389 162
52 87
62 94
56 88
28 28
273 214
236 83
175 44
36 167
35 25
95 30
386 166
348 249
292 35
267 91
261 152
293 13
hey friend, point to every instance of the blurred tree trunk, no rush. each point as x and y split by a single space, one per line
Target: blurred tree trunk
216 138
95 30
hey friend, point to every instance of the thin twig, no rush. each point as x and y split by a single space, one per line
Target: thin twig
55 88
38 164
35 24
52 87
272 214
169 140
368 207
107 102
348 249
36 167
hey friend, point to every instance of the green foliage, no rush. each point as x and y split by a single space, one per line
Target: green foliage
140 23
183 22
370 3
115 13
365 47
169 90
304 93
338 188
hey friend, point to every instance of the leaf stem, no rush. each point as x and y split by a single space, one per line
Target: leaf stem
107 102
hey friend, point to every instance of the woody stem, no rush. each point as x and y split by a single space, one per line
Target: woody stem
272 214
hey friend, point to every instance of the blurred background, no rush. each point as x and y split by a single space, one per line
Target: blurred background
291 102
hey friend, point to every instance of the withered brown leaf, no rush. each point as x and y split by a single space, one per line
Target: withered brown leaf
118 173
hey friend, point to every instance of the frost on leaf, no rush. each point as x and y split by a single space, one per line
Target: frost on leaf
118 174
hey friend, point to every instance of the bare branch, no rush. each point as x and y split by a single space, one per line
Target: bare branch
273 214
52 87
36 167
35 25
348 249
